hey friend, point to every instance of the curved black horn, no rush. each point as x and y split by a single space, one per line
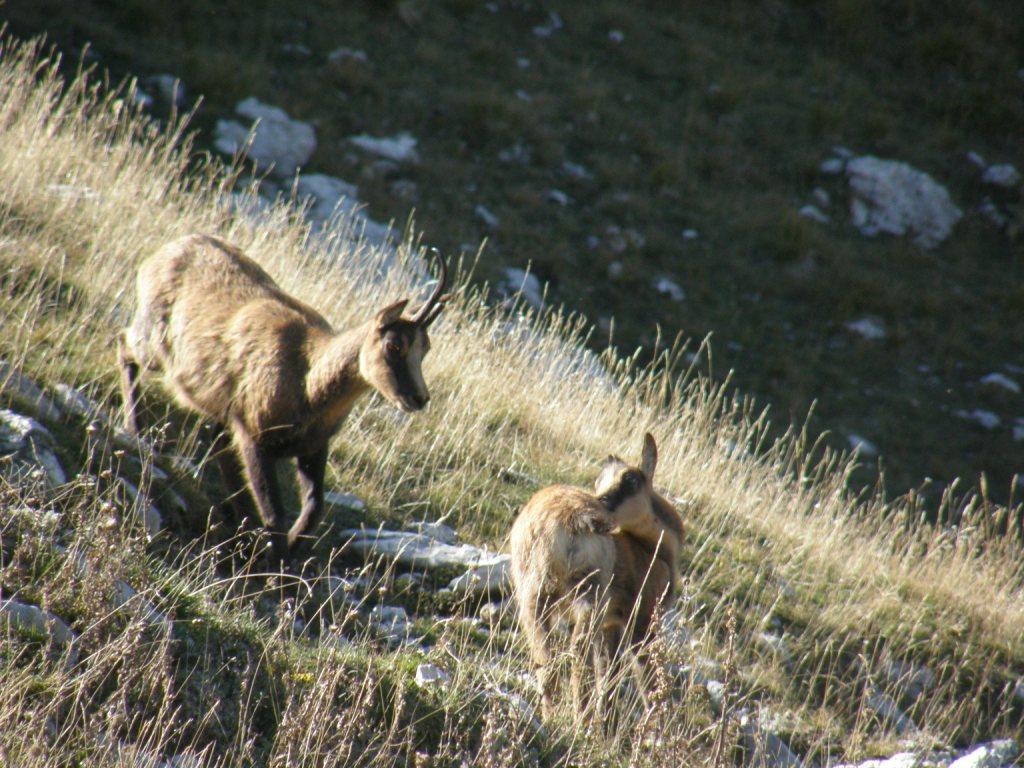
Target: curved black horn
424 312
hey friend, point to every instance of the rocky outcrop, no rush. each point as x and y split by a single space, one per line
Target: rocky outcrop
278 144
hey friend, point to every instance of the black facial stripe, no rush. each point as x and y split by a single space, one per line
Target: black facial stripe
629 484
404 380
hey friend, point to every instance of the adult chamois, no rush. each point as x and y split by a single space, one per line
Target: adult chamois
603 562
270 372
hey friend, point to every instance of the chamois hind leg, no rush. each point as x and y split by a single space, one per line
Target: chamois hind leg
129 367
260 470
535 620
310 472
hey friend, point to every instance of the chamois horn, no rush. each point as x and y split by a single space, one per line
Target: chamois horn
432 307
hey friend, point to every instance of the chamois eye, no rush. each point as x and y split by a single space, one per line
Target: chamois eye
392 348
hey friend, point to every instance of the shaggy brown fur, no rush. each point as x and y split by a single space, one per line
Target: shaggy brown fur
268 370
605 560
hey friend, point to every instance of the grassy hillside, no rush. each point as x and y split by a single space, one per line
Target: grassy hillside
711 117
777 547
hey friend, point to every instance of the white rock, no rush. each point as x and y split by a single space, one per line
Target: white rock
887 710
814 213
146 511
553 24
14 382
1018 434
977 159
616 36
1001 175
391 620
279 143
523 63
142 99
519 281
436 531
26 446
832 166
352 54
670 288
430 674
486 216
843 153
615 270
901 200
558 196
899 760
870 328
30 618
690 234
821 197
981 417
775 644
417 550
492 576
523 96
326 195
1002 381
576 171
992 213
912 679
861 445
994 754
401 148
344 500
127 597
765 749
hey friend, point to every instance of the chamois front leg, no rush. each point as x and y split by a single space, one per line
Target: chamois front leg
260 469
310 470
235 503
129 367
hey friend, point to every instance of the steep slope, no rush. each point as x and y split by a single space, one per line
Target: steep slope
807 614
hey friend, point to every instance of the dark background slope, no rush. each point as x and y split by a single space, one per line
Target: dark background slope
711 117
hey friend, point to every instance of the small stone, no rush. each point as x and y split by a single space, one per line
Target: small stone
975 159
344 53
400 148
861 445
149 516
393 621
296 49
492 576
486 216
14 382
558 196
993 214
1018 436
30 618
690 234
716 691
523 63
979 416
814 213
832 166
1001 175
576 171
26 446
523 96
615 270
821 197
142 99
775 644
843 153
436 531
616 36
127 597
1002 382
887 710
554 23
346 501
430 674
492 612
870 328
670 288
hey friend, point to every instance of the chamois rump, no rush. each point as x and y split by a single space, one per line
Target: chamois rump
270 372
603 562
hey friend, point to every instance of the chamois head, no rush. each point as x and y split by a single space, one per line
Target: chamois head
626 490
391 355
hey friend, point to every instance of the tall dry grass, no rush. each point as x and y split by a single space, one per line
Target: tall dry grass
776 541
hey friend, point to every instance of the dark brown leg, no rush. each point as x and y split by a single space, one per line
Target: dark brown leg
310 472
260 470
129 385
236 505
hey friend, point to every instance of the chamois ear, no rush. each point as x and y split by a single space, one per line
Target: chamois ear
649 457
390 313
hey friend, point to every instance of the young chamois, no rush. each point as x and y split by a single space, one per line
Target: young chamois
269 371
603 562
